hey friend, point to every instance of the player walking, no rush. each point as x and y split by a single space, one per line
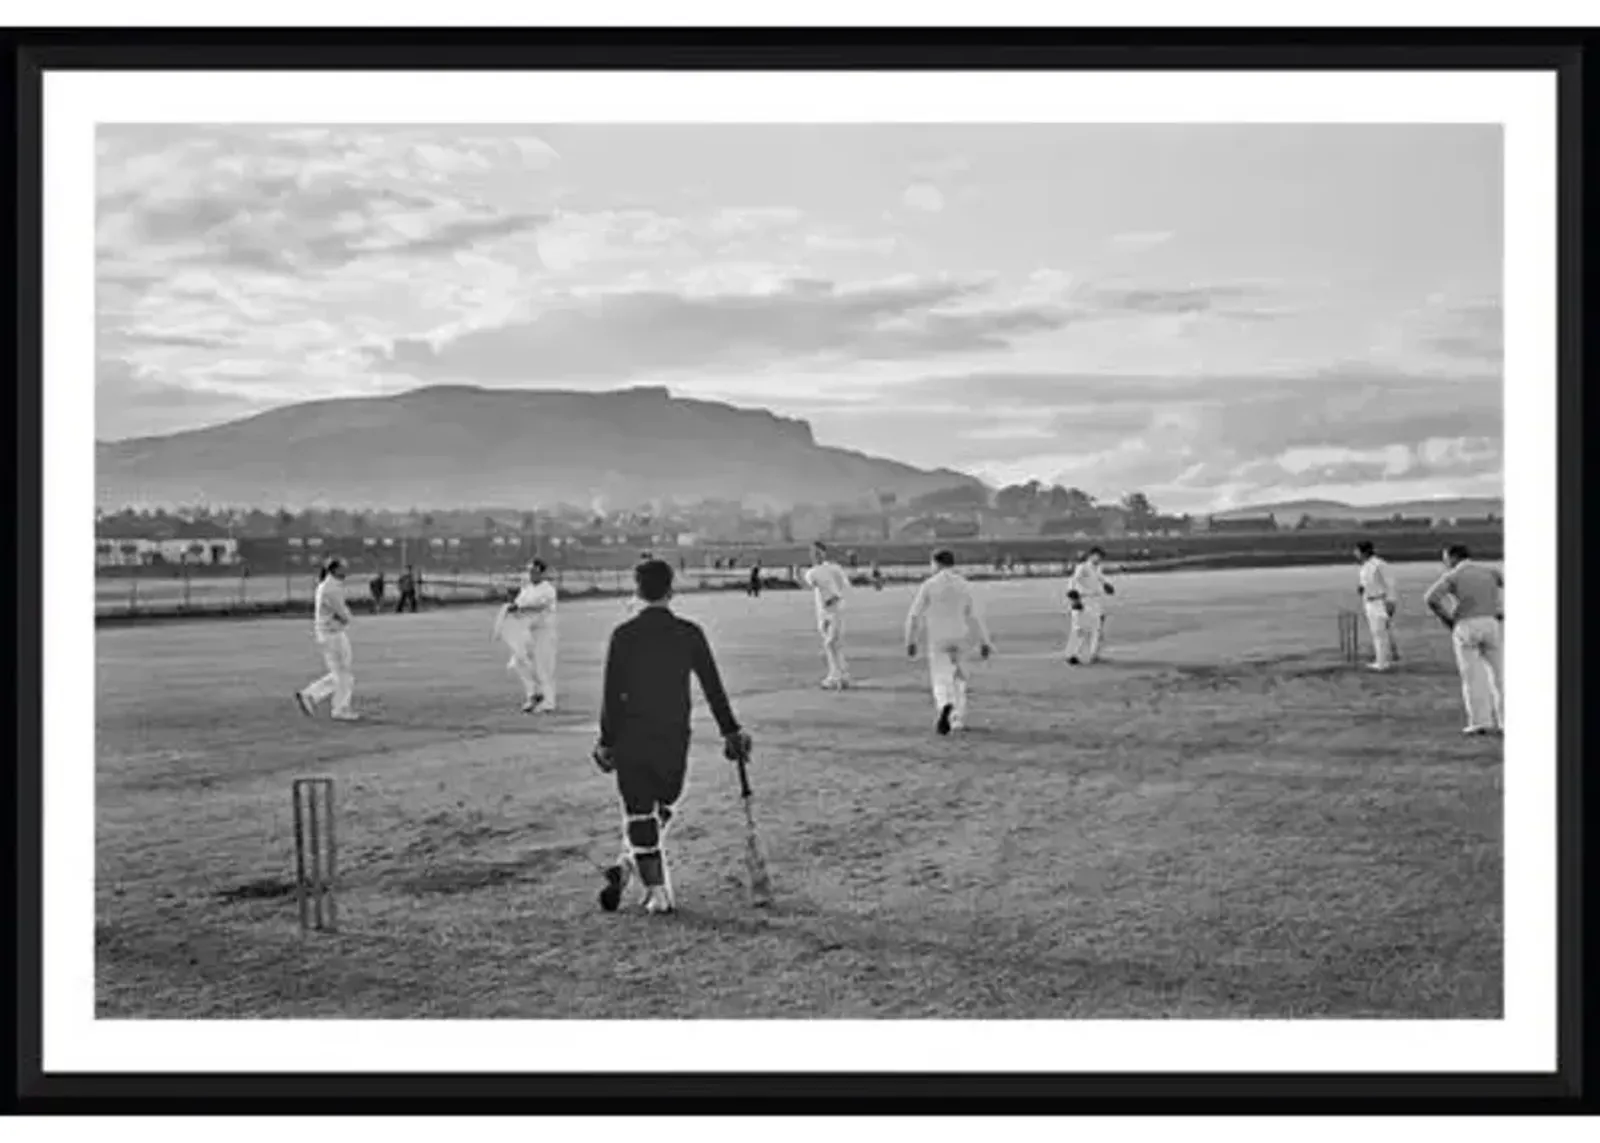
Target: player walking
331 619
1086 589
829 583
408 590
528 626
1476 625
644 730
943 616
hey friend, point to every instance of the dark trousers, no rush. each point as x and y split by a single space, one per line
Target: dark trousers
407 597
651 772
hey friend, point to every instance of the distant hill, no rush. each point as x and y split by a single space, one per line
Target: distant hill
1290 511
450 446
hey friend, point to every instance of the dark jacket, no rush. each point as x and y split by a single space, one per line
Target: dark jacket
648 664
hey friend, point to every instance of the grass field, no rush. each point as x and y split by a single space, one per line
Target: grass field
1221 821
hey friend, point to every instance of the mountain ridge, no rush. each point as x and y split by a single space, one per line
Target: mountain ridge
449 445
1337 509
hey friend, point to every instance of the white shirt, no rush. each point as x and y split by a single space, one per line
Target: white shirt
330 613
829 583
1377 584
1089 581
536 605
946 608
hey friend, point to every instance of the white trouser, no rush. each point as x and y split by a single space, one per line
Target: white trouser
339 683
947 669
830 625
1383 649
533 658
1480 656
1088 626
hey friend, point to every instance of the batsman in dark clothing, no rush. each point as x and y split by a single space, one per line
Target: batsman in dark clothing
644 729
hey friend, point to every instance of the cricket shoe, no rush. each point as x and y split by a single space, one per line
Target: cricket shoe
530 706
1381 668
943 725
347 716
544 707
617 878
1476 731
304 704
1073 661
658 899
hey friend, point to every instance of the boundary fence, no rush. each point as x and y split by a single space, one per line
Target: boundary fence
201 593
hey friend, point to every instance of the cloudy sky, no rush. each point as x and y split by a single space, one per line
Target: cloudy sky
1214 315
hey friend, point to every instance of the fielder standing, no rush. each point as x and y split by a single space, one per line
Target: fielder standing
1476 626
644 730
1379 598
829 583
1087 588
528 626
330 622
408 589
943 617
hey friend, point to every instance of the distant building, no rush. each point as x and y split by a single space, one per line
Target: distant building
1243 525
955 529
194 551
918 528
858 526
806 524
1104 522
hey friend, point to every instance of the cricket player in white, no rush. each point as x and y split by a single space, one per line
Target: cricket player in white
528 626
829 583
1087 588
330 621
1476 625
1379 598
943 617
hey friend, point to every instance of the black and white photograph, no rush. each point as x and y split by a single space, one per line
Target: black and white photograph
898 554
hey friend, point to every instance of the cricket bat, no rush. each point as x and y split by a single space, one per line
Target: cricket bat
755 864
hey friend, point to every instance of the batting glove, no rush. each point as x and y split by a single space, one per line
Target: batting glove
985 651
736 746
1110 590
911 650
603 758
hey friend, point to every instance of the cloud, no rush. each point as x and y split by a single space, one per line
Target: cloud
942 168
732 221
1138 240
924 197
1226 299
130 402
627 333
1186 436
296 201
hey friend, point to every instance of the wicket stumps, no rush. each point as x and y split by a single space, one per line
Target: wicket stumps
1349 637
316 853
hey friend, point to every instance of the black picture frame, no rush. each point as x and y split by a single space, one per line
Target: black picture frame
30 54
